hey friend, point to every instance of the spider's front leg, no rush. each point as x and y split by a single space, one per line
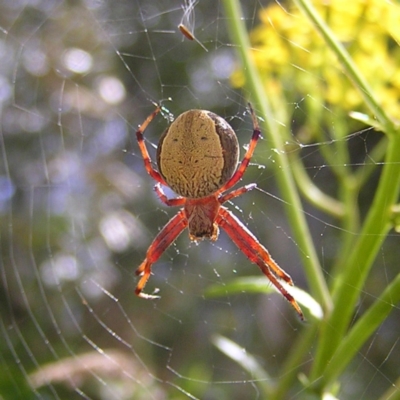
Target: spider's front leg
247 157
177 201
143 149
161 242
236 193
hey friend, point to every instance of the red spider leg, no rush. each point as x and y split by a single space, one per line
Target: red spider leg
143 149
247 157
178 201
256 253
243 236
161 242
237 192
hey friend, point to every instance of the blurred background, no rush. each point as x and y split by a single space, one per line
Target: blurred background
78 211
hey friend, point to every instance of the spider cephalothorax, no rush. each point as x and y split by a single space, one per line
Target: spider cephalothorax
197 158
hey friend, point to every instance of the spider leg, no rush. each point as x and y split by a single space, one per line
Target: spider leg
247 157
178 201
143 149
161 242
256 253
244 237
236 193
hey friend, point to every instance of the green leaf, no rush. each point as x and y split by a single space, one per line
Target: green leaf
366 119
260 285
247 361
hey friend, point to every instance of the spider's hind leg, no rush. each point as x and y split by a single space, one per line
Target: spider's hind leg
256 253
161 242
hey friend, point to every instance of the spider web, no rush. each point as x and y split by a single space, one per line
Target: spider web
77 213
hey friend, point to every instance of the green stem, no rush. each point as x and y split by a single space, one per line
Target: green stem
312 192
351 281
362 330
349 191
295 358
285 179
376 156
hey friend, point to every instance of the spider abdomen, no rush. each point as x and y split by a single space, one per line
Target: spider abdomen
197 154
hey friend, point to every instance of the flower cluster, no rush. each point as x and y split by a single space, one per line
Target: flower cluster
292 57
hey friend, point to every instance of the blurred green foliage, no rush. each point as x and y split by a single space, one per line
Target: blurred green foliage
333 50
77 211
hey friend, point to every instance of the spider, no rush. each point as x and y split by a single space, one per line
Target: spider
197 157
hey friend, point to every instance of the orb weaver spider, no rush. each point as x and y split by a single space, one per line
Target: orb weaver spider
197 157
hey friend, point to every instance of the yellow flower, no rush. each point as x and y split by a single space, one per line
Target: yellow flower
287 49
